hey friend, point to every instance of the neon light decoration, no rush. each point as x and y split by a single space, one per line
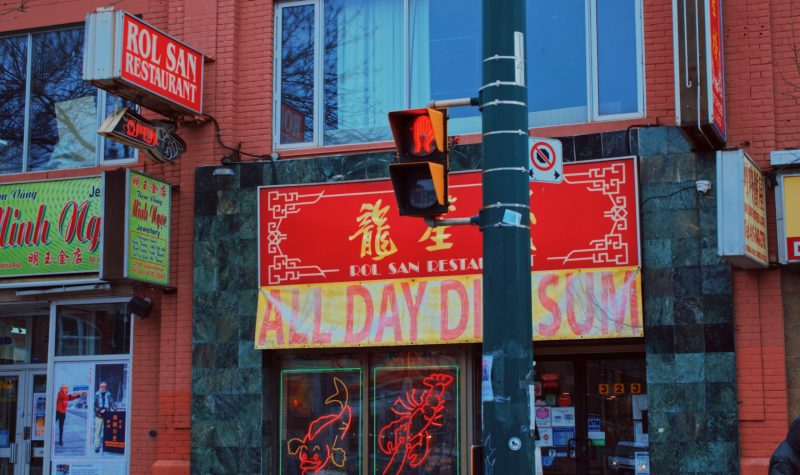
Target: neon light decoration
319 448
407 439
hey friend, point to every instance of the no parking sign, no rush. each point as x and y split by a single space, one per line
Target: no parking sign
546 159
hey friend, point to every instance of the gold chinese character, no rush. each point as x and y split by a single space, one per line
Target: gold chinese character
438 234
374 231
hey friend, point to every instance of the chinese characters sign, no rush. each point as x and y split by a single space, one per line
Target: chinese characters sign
51 227
144 65
385 280
148 214
755 213
137 228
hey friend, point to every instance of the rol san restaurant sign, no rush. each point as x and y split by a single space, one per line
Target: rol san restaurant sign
138 211
131 58
787 198
339 267
50 228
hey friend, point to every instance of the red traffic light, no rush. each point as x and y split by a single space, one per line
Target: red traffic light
419 177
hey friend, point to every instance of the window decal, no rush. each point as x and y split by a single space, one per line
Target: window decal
416 419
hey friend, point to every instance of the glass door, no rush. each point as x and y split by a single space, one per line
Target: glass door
591 415
22 422
10 409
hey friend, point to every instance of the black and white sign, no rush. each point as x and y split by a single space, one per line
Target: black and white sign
546 158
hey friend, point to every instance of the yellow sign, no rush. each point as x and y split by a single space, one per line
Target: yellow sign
755 213
603 389
619 388
597 303
636 388
791 213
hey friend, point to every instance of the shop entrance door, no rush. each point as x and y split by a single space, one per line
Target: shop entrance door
22 421
592 415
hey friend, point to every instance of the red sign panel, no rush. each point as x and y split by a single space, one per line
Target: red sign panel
717 97
351 232
161 64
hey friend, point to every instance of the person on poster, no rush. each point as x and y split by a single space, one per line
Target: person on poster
103 405
64 397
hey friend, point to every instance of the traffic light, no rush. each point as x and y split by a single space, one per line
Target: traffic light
419 176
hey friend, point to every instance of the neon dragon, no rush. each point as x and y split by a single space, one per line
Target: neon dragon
319 448
407 439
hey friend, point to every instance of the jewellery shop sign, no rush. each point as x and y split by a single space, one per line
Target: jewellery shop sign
381 279
83 228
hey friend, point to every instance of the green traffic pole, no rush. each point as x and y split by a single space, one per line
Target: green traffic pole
505 222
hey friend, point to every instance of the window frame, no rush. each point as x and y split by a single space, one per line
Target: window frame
592 77
101 97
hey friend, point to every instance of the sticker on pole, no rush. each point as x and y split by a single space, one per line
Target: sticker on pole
546 158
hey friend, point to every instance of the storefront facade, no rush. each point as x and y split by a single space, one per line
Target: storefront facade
664 382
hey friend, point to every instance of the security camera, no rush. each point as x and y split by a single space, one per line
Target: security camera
703 186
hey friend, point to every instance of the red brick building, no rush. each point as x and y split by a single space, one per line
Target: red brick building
191 362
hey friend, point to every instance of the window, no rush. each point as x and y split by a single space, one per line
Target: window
342 65
48 116
89 330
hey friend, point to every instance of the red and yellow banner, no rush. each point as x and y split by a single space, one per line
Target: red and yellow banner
340 267
597 303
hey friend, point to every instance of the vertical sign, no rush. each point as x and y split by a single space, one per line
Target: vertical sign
137 227
741 210
788 205
716 97
755 213
148 226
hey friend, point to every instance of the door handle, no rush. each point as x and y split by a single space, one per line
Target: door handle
13 457
28 450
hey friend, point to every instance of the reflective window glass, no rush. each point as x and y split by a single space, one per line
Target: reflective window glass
405 385
114 150
97 329
63 124
321 415
445 57
363 69
617 57
297 74
13 76
23 340
557 56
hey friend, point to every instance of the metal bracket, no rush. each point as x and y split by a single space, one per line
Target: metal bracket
433 222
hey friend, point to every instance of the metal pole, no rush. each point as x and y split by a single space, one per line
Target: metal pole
505 222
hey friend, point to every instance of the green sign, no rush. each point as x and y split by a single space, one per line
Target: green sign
50 227
148 225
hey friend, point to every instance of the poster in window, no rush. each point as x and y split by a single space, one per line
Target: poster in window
109 409
415 420
39 412
70 424
320 422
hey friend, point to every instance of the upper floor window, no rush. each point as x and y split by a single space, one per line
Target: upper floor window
48 116
341 65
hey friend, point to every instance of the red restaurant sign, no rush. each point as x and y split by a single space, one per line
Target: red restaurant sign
339 266
143 60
